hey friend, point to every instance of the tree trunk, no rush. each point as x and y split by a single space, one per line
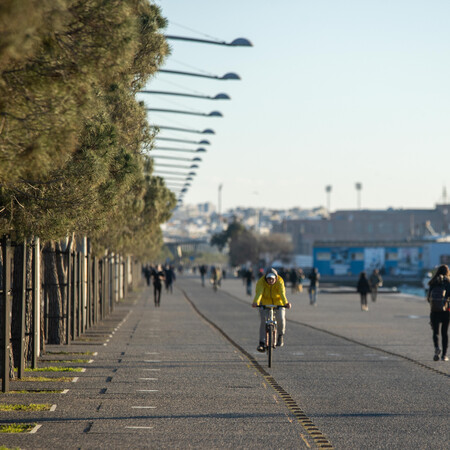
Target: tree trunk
55 274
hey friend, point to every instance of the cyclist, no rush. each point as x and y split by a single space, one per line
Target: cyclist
270 290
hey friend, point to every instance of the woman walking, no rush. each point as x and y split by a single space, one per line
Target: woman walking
363 288
438 297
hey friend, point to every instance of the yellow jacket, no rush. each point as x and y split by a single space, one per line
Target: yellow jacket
267 294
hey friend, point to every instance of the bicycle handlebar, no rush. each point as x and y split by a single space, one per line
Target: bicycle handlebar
272 306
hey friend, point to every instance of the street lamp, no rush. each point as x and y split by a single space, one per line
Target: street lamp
328 191
175 158
192 113
358 187
220 96
227 76
192 166
187 130
239 42
174 149
184 141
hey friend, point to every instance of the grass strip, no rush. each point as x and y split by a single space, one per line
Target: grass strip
64 379
30 407
16 427
69 353
55 369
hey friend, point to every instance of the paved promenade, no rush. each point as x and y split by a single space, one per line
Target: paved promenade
186 375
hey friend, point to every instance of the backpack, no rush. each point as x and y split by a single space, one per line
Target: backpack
438 299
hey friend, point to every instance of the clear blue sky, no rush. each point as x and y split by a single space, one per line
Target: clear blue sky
332 93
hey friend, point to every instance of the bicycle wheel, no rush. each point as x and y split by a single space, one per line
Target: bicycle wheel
270 343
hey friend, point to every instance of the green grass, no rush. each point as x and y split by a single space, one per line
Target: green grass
30 407
62 361
55 369
68 379
16 427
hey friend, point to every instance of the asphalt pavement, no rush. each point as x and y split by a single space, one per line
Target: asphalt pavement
187 375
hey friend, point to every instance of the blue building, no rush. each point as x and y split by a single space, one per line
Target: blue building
391 258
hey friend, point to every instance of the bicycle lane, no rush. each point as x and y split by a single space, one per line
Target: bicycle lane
166 379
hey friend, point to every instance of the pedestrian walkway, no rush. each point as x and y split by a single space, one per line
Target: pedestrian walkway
150 378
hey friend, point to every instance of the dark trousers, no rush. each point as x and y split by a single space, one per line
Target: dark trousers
440 318
157 294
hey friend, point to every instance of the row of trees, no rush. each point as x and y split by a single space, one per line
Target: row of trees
245 246
74 141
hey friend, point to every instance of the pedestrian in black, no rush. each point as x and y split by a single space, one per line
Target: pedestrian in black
438 297
363 288
158 278
148 274
375 282
203 269
314 278
248 277
170 277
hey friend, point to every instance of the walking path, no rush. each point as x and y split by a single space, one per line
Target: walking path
154 378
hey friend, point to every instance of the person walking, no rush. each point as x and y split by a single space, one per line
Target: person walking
158 278
314 278
170 277
438 297
203 269
375 282
270 290
248 277
363 287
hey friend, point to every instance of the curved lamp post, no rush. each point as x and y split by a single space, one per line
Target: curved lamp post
220 96
174 149
184 141
227 76
175 158
192 166
192 113
187 130
239 42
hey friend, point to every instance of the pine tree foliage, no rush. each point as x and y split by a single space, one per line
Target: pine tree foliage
73 138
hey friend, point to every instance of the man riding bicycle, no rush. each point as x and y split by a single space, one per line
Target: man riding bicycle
270 290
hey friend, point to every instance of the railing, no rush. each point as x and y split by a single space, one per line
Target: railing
52 296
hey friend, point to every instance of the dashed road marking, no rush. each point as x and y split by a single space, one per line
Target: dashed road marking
152 360
53 408
147 390
140 428
144 407
34 430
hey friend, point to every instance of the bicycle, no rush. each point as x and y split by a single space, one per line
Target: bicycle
271 331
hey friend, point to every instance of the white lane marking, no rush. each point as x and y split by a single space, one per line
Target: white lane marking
149 379
144 407
333 354
83 370
140 428
95 354
152 360
75 380
147 390
152 353
105 344
53 408
298 354
152 370
90 361
35 429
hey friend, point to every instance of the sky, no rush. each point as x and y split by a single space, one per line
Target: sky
332 93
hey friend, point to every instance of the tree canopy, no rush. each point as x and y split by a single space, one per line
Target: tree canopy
74 141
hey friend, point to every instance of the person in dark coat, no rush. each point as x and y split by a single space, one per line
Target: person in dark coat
440 319
375 282
363 288
158 278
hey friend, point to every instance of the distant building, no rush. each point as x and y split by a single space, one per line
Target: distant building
391 258
366 226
